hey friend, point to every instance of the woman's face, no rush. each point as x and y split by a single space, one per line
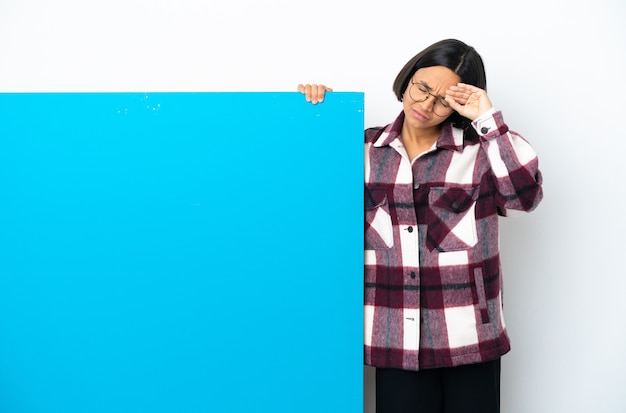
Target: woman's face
423 99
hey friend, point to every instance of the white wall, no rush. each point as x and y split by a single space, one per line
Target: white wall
555 68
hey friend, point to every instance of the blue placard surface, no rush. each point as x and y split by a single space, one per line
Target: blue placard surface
180 252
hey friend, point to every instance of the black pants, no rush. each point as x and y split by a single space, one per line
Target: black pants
474 388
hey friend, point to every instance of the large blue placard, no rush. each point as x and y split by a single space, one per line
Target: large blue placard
180 252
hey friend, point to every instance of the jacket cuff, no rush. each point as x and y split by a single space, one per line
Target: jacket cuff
490 122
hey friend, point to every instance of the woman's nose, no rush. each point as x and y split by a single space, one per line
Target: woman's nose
429 103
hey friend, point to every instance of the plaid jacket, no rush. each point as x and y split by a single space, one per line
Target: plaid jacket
433 280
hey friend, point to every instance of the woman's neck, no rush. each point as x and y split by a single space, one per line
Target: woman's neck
418 141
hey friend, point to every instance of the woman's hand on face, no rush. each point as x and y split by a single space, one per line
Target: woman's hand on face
469 101
314 93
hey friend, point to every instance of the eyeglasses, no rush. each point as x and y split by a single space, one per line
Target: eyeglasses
419 93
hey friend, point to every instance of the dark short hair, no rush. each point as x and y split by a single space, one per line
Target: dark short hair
457 56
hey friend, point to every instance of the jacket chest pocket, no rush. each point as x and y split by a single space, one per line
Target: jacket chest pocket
451 219
378 226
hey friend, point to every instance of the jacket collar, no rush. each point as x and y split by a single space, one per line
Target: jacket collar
450 137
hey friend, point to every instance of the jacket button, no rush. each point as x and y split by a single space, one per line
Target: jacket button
410 229
455 205
484 129
416 185
413 274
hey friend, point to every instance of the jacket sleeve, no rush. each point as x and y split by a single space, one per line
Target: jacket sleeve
514 164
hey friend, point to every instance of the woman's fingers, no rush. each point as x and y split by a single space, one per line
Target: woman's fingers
470 101
314 93
461 93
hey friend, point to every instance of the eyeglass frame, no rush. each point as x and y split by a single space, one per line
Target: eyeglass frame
438 99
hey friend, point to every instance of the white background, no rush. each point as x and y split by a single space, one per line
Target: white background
556 69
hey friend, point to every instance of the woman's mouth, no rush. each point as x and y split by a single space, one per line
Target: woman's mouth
419 116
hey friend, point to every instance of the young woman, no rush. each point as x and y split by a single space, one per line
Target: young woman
436 180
